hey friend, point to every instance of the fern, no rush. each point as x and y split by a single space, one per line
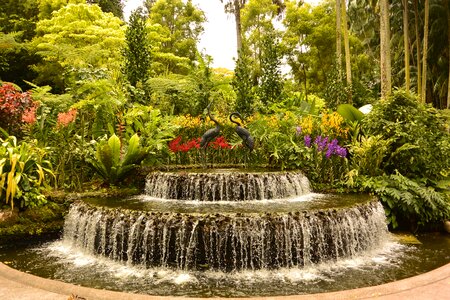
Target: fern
407 198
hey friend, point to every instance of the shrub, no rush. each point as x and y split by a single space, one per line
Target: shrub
420 140
113 164
22 173
16 108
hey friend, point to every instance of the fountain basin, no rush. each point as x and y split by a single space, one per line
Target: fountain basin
227 236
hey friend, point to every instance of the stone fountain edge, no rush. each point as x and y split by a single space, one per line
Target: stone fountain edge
430 285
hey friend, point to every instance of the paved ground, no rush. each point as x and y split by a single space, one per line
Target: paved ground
15 285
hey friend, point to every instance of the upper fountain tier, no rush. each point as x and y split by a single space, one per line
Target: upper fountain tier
226 185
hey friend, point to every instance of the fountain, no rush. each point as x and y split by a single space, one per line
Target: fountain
227 233
227 220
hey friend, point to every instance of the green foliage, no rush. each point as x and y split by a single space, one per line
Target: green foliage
23 172
19 16
271 81
420 142
179 27
78 36
155 131
111 163
407 200
368 154
137 51
113 6
243 85
350 113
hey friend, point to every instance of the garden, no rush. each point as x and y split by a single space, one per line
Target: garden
90 102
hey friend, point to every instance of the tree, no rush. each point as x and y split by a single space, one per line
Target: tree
136 54
76 38
179 25
423 95
447 6
348 66
385 49
243 85
406 43
338 40
418 42
271 81
234 7
113 6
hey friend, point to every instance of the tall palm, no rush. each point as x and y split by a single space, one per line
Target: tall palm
406 42
348 66
425 51
386 84
235 6
338 40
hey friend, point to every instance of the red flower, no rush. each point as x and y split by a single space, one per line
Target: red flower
221 143
174 145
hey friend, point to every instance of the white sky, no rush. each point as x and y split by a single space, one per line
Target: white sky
219 37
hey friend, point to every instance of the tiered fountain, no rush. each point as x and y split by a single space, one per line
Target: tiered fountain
227 220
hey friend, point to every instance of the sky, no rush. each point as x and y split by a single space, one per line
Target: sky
219 37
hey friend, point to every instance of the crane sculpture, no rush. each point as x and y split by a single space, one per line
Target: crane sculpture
244 134
211 133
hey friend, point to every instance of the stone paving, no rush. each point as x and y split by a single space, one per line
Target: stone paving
16 285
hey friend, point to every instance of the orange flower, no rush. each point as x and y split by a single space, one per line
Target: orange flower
65 119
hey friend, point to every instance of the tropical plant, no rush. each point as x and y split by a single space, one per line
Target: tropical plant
16 108
112 162
420 141
406 200
23 173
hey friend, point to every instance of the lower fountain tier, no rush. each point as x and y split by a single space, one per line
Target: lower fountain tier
225 241
226 185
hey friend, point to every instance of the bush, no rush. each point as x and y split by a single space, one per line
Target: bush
420 142
22 173
113 164
16 109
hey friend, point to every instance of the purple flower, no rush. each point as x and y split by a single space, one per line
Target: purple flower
307 139
331 148
321 142
341 151
298 130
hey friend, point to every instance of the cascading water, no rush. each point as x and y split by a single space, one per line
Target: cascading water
249 221
223 185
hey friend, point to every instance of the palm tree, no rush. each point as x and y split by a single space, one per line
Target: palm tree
386 84
338 40
348 66
234 7
425 51
406 43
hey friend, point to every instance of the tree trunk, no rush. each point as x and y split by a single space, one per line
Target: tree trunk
447 6
385 53
425 51
338 40
419 55
406 44
348 66
237 17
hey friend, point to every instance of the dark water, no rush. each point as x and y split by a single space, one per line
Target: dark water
394 260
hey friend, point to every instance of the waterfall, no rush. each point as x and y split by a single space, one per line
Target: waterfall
226 186
226 241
